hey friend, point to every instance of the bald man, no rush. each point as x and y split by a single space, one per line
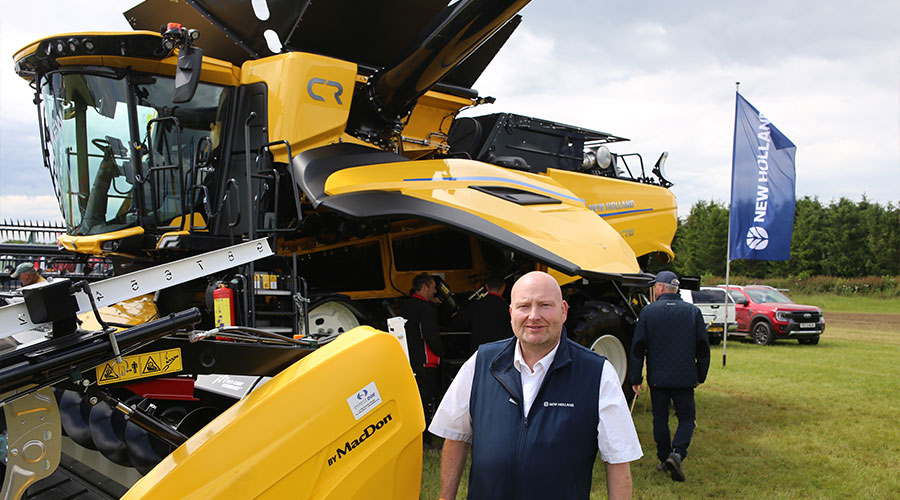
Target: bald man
535 410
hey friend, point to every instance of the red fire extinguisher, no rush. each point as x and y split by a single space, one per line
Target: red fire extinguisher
223 305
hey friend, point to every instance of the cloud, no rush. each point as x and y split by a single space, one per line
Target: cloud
663 75
30 208
660 73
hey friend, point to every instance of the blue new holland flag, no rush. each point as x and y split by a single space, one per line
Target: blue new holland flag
762 187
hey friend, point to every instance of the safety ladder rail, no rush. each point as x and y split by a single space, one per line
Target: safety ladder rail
154 171
275 175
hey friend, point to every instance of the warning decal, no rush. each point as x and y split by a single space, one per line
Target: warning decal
149 364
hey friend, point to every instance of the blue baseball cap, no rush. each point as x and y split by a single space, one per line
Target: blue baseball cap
667 277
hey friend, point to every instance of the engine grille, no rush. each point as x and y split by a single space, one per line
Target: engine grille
804 317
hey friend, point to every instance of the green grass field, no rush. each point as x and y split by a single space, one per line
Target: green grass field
855 304
784 421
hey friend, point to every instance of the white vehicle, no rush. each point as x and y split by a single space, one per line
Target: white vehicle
711 302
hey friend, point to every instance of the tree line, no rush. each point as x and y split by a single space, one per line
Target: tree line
843 238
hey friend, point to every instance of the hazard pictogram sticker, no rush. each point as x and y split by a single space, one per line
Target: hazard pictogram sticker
149 364
108 374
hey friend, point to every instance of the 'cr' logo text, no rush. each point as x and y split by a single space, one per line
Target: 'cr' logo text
338 89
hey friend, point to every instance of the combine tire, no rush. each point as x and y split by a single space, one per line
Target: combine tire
604 328
330 317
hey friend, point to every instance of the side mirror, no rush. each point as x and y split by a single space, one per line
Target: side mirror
741 300
187 73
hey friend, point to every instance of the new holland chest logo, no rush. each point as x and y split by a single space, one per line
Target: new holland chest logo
349 446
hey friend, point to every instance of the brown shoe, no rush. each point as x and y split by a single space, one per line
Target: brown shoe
661 466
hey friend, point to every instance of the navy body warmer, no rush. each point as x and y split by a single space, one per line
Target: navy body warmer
551 453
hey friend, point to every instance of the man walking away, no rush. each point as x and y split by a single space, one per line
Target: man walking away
671 334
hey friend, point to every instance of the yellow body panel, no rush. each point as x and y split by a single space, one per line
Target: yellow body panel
185 223
567 229
644 215
430 122
92 244
136 311
562 278
281 441
308 98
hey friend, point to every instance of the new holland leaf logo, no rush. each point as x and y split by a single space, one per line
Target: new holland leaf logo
757 238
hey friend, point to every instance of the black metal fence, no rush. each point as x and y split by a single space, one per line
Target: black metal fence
35 243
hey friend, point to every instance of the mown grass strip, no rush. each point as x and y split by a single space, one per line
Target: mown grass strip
855 304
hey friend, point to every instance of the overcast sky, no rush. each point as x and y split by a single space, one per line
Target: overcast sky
660 73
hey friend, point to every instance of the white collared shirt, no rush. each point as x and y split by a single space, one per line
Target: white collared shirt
616 437
531 380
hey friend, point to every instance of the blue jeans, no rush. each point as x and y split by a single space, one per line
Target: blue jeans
683 401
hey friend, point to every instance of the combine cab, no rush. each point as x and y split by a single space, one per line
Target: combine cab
336 137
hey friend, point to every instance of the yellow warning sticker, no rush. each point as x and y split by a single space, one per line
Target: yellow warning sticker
148 364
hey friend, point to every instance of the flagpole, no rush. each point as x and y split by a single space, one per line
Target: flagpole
737 88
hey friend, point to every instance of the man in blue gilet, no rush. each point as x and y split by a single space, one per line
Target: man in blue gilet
535 410
671 335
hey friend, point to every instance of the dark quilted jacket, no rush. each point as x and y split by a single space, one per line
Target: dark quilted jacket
671 334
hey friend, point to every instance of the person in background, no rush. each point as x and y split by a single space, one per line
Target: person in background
486 318
27 274
424 342
535 409
672 335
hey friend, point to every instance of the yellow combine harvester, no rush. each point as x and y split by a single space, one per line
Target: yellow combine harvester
332 129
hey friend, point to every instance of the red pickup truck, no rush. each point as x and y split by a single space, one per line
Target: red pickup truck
766 315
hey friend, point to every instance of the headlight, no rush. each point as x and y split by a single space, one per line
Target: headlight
110 245
782 315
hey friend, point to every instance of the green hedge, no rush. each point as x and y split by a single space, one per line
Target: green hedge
869 286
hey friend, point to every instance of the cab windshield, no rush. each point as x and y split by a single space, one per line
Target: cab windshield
89 130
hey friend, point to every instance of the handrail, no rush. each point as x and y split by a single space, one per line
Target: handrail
151 170
277 178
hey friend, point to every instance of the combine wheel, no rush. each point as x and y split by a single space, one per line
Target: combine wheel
610 347
331 317
602 327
